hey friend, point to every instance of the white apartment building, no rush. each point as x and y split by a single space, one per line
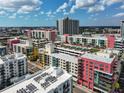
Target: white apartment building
11 67
60 57
40 43
25 47
48 34
108 41
66 62
51 80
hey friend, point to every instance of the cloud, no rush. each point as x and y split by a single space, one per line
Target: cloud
72 10
92 5
41 12
62 7
119 15
96 8
2 13
110 2
25 9
20 6
84 3
122 7
13 16
35 15
65 12
21 16
50 14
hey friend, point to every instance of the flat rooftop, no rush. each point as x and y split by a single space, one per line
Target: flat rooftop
71 50
97 36
108 51
98 58
7 58
65 57
41 82
22 45
2 46
102 37
44 30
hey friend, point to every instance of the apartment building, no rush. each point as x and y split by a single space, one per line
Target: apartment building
10 42
98 71
93 70
122 29
25 47
12 67
44 54
68 26
48 34
40 43
51 80
3 50
66 62
52 56
103 41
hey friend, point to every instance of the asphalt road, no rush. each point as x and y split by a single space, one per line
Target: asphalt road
77 90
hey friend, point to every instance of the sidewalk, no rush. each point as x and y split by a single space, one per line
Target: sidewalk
83 88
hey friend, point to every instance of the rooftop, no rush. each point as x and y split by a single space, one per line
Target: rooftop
101 58
97 36
72 50
24 43
2 46
41 82
66 57
102 37
109 51
45 30
11 57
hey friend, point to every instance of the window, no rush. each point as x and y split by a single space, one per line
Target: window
91 62
101 65
106 66
90 78
101 68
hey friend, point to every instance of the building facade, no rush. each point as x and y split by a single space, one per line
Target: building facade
97 73
103 41
3 50
40 43
25 47
92 70
10 42
51 80
68 26
122 29
11 67
48 34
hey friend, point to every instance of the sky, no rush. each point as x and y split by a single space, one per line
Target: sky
46 12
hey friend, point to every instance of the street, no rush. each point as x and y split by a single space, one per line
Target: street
77 90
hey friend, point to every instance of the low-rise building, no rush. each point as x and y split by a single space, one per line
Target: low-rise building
40 43
102 41
25 47
48 34
10 42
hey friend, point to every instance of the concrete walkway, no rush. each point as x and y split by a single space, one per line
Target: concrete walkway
83 88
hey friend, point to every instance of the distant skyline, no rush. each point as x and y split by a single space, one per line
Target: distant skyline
46 12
